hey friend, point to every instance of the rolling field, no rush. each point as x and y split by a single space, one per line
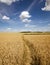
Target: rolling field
20 49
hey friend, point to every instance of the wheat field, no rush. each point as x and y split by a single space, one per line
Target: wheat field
20 49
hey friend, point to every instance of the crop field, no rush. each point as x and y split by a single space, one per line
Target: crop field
23 49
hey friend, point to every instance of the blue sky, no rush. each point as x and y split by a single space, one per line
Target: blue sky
24 15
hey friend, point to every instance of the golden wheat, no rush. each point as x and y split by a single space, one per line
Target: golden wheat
20 49
41 45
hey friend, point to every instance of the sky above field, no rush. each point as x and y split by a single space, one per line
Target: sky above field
24 15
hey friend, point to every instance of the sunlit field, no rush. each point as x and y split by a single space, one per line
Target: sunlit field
24 49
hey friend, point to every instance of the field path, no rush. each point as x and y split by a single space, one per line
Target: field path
40 48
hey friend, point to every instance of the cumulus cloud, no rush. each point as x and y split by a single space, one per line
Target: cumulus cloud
47 6
8 2
5 17
26 20
24 16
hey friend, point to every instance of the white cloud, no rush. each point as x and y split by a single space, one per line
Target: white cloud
47 6
26 25
5 17
30 26
24 16
26 20
37 28
8 2
9 28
